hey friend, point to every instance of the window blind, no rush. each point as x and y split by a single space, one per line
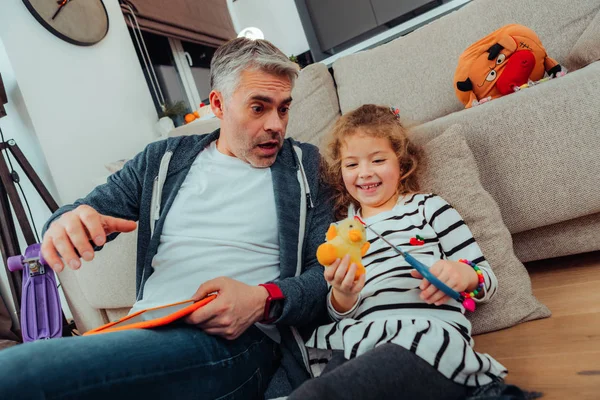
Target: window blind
206 22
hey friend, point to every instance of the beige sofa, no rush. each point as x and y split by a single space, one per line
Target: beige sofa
536 150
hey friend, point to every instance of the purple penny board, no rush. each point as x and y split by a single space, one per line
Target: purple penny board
40 303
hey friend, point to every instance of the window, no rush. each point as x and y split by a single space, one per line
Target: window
175 70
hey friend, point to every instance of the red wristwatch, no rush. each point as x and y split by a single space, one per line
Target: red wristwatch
274 303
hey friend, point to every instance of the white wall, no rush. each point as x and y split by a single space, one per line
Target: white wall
17 125
71 109
278 19
88 105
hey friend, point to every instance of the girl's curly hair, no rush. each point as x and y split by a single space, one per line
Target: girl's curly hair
377 121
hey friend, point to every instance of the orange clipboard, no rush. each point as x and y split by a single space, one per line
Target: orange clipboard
153 317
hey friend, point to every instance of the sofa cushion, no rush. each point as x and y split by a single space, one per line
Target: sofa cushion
587 47
575 236
315 107
537 150
415 72
451 172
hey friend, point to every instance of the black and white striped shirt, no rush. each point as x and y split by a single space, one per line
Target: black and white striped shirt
389 309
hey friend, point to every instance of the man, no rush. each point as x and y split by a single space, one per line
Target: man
224 212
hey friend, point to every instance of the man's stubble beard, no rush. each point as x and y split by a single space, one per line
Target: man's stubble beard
250 150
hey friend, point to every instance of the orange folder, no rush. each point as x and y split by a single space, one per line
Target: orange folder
153 317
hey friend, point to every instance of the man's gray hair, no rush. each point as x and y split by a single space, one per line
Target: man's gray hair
242 54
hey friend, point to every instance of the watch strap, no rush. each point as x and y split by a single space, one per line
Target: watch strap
275 295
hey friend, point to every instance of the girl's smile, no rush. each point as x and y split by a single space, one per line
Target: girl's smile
369 187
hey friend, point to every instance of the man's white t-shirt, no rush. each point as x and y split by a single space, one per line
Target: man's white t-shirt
209 232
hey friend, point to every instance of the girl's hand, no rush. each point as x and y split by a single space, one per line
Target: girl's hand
460 277
345 289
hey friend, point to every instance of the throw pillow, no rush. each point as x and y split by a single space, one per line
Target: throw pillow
450 171
315 108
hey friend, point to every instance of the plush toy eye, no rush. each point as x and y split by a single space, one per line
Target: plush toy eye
491 76
500 59
351 226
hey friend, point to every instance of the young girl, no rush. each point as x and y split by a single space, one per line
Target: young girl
395 335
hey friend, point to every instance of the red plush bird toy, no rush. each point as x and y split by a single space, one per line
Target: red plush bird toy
500 62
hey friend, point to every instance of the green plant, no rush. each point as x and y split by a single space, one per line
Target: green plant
293 58
174 109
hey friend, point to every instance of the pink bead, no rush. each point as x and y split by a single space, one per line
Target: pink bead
469 304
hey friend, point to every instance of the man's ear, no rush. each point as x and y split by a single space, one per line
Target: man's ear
217 103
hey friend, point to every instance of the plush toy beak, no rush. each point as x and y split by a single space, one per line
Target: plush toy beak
516 72
355 235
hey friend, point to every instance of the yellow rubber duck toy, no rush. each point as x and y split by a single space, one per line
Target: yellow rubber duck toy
348 236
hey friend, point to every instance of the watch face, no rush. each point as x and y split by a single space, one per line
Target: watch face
80 22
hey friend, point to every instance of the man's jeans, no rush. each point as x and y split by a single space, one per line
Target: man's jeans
173 362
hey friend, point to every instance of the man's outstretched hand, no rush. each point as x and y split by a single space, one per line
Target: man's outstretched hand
71 234
236 307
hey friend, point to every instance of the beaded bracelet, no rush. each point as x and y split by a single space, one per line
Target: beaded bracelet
467 297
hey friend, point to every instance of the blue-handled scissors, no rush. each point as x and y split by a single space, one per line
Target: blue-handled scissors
420 267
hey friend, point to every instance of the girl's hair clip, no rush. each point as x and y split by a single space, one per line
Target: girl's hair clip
395 111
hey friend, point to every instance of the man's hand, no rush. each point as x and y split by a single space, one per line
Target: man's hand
236 307
345 289
73 231
459 276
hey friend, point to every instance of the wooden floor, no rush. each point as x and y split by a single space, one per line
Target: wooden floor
560 355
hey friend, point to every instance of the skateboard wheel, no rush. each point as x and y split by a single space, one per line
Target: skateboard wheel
15 263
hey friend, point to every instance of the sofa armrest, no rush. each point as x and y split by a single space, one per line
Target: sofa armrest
106 282
86 317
